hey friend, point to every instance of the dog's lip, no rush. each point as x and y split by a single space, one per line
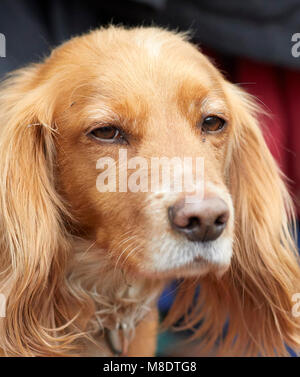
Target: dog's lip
199 259
218 269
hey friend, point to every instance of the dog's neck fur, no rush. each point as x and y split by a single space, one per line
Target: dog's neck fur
119 300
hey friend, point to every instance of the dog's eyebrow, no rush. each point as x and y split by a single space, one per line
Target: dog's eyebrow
102 113
213 105
129 113
210 105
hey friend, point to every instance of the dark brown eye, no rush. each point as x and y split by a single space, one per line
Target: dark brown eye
107 134
212 124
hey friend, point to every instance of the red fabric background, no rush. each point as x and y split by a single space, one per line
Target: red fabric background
278 91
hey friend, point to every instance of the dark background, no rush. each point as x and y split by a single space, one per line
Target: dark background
257 29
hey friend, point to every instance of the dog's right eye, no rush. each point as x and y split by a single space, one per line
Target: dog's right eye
109 134
213 124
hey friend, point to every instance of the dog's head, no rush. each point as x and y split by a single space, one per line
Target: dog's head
99 142
137 115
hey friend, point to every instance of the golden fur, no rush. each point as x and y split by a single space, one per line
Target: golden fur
62 243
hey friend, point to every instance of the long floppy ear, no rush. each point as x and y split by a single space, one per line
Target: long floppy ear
253 300
33 242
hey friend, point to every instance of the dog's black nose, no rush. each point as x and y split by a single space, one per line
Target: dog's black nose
199 221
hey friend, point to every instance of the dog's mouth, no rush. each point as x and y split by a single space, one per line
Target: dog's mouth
190 259
198 260
218 269
200 266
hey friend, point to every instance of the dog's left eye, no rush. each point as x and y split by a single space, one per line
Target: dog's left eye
212 124
107 134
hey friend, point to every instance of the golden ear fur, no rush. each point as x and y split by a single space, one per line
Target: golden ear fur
33 245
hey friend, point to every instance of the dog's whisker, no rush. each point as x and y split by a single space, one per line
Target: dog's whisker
122 253
128 255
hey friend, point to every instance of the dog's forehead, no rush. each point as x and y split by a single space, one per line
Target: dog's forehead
153 68
133 74
148 63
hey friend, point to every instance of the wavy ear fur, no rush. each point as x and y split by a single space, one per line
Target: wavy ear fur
34 245
254 298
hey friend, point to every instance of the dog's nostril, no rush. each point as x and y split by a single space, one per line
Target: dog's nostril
193 223
221 220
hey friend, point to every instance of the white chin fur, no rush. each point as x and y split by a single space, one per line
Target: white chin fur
192 257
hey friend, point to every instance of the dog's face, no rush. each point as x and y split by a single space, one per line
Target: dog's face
148 98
